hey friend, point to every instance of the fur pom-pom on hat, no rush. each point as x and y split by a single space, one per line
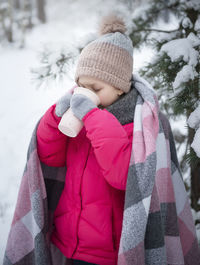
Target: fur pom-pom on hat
111 23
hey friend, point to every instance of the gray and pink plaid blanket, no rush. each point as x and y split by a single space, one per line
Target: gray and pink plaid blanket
158 227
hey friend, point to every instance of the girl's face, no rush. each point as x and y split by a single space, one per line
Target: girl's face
106 92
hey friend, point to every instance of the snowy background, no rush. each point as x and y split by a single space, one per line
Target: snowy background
22 103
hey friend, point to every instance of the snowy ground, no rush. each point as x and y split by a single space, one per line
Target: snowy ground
22 104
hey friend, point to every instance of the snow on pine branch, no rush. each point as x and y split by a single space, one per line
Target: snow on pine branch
183 49
197 24
57 59
194 122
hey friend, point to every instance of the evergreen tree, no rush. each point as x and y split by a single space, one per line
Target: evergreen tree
174 70
17 17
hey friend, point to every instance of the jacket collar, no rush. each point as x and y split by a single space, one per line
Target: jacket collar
123 108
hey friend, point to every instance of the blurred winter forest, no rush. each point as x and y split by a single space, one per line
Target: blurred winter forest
40 41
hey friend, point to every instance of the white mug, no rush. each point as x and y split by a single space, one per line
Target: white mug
69 124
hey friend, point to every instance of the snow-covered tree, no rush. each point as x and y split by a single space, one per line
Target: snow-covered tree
17 17
174 70
6 21
41 10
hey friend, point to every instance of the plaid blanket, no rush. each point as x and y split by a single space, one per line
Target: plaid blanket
157 229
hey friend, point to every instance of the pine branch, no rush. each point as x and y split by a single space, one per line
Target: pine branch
157 30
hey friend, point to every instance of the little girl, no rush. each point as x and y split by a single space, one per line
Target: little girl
88 217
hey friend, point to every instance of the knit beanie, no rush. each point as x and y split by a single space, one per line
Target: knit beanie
110 56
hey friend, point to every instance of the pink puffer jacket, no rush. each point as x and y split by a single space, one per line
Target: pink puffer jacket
88 217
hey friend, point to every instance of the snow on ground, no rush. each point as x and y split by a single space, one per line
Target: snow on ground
22 104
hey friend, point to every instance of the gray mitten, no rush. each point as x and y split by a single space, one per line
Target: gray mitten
63 104
81 105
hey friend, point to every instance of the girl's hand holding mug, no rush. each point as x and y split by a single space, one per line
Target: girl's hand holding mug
80 103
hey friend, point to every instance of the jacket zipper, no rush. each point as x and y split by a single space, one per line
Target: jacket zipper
81 205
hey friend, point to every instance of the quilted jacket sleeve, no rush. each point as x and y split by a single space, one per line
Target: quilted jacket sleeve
51 142
111 145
